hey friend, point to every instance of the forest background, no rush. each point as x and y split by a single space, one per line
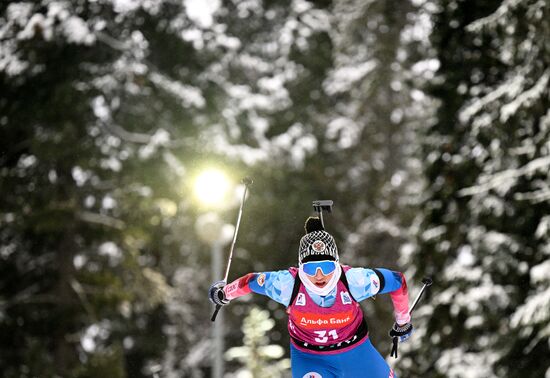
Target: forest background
426 121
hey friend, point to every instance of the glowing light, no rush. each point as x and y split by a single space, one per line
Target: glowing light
211 187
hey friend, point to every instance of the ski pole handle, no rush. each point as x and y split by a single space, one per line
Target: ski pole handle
215 314
219 301
427 281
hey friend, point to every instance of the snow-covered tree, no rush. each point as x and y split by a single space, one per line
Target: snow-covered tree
483 232
258 357
367 136
93 106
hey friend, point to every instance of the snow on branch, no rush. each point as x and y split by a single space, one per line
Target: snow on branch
104 115
344 78
506 177
526 98
103 220
537 196
189 96
511 87
113 43
534 311
493 19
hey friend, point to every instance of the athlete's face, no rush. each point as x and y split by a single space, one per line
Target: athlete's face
320 279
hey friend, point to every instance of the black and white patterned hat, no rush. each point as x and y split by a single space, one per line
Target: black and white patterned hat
316 244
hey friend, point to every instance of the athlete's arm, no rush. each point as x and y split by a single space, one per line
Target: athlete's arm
276 285
365 283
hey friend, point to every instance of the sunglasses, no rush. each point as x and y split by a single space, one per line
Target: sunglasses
327 267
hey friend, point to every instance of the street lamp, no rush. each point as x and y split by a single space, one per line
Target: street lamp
211 189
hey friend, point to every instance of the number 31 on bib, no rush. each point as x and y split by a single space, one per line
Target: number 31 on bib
324 336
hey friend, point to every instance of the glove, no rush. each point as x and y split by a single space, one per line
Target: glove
402 332
399 334
216 293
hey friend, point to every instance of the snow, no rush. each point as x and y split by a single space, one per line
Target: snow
111 250
108 203
128 7
202 12
540 274
345 130
80 176
526 98
35 23
26 161
505 179
19 13
79 261
344 78
125 6
489 204
498 16
111 163
543 228
465 256
535 310
94 335
273 98
74 28
6 250
100 108
10 63
510 88
486 294
76 31
193 35
457 271
434 233
475 321
190 96
255 62
459 363
426 68
315 20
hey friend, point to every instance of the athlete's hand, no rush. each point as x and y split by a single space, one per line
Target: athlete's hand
402 332
216 293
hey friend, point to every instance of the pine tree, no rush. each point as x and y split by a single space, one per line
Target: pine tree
368 131
92 110
483 233
260 359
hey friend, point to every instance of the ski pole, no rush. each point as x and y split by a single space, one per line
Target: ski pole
427 281
247 181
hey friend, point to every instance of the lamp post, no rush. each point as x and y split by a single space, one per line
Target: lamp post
211 188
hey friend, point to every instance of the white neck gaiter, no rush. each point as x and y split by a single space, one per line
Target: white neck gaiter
310 286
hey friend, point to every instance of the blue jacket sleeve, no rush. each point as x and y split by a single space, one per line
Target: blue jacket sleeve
365 283
276 285
391 280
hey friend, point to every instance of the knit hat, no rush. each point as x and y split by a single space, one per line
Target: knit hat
316 244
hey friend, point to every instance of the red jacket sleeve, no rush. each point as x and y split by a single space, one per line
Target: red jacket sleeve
400 299
239 287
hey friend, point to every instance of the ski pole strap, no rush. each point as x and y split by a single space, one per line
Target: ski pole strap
399 333
394 347
215 314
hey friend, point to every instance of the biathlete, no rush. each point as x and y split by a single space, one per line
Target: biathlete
328 331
